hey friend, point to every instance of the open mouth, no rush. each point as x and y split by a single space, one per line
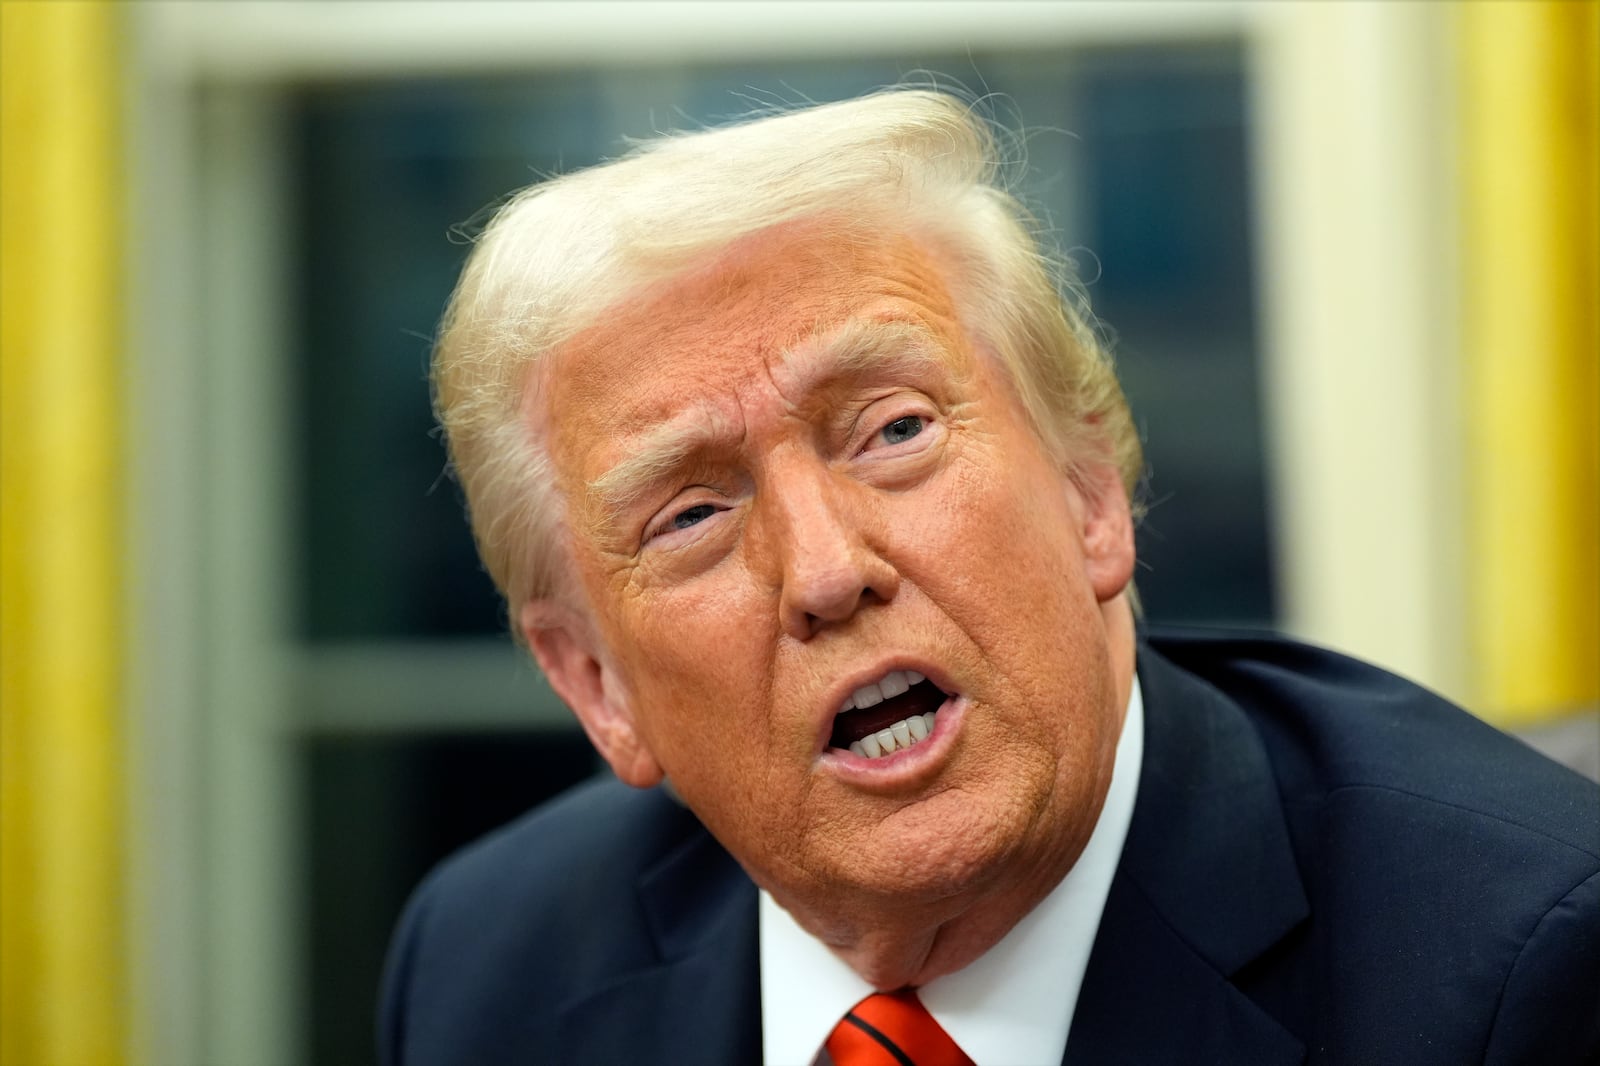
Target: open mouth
895 713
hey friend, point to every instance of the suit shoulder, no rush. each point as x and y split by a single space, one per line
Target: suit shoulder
1333 724
519 920
554 850
1449 871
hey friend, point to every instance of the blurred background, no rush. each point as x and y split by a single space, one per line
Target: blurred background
254 681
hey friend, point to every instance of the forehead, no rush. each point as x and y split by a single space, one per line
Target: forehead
743 316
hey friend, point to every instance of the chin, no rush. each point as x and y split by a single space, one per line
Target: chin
943 849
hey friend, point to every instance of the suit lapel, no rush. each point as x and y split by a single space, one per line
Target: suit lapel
1147 997
1207 884
701 1003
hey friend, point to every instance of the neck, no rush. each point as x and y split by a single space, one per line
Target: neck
892 954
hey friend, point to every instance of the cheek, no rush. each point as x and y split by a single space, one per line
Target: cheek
643 606
1002 535
694 655
1001 559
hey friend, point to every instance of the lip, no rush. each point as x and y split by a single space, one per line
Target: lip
908 767
841 691
893 769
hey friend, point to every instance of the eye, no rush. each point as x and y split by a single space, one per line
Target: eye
902 429
693 516
670 523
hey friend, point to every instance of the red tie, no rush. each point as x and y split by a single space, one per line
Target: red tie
892 1029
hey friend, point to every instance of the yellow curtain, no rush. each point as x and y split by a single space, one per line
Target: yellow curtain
62 946
1530 94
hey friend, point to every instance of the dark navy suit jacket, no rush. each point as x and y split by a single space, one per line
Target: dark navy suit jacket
1326 864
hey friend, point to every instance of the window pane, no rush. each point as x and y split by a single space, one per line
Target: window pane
382 811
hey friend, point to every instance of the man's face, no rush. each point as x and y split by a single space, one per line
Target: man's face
790 476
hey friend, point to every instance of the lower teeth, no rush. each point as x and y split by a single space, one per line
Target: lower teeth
901 735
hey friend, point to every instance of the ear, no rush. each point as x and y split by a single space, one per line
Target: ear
563 642
1106 526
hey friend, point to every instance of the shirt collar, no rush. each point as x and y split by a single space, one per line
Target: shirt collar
1015 1002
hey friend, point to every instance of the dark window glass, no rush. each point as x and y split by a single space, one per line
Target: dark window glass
382 811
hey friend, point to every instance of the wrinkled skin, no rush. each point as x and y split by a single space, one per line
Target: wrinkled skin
830 520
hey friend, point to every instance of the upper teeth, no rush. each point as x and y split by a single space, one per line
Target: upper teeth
873 693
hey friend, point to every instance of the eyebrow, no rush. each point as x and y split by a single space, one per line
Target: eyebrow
859 346
657 452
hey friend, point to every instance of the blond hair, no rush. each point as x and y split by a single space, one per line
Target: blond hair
559 253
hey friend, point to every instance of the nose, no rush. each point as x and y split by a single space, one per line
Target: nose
820 536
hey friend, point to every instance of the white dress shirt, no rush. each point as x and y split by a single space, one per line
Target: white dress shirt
1013 1005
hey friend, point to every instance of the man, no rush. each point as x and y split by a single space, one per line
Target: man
810 496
